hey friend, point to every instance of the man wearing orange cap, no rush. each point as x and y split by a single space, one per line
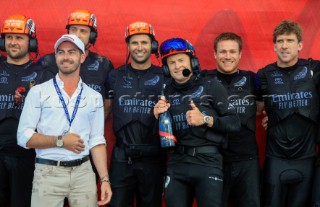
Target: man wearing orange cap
17 73
137 164
95 69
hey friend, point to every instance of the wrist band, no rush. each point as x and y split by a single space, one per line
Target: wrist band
105 179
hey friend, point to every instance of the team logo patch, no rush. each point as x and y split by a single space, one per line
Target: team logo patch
94 66
197 93
302 74
29 78
3 77
278 81
127 81
3 80
152 82
241 82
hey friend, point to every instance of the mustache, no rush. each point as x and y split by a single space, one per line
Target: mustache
14 46
66 61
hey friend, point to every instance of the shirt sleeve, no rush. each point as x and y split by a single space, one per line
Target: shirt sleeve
226 119
97 122
30 116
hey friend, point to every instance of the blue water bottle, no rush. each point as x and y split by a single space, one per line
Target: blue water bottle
165 128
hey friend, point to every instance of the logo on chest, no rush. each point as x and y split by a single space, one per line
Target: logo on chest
29 78
241 82
152 82
3 77
302 74
278 81
127 81
94 66
198 93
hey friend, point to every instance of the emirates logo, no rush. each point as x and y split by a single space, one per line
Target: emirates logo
11 28
78 19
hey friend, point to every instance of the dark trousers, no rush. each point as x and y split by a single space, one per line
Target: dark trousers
242 183
186 181
287 182
16 175
140 178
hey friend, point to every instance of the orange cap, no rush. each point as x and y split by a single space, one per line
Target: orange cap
82 17
19 24
139 28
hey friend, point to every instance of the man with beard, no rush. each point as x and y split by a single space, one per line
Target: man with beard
17 73
96 68
63 120
137 165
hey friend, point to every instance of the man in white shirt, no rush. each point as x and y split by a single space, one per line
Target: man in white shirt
63 119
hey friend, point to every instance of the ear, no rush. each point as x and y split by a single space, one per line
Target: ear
300 46
82 57
240 54
274 47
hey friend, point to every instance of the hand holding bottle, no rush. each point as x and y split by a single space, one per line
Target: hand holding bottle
161 107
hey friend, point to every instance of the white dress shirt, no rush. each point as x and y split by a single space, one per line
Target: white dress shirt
43 112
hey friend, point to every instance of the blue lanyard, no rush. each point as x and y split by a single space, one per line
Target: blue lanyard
76 106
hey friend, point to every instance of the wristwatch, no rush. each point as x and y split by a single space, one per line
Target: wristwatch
206 120
59 141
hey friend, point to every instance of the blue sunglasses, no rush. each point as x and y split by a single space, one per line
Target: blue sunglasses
175 45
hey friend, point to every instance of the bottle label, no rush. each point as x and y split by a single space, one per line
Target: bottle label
167 139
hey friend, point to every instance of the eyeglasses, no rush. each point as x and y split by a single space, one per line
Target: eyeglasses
174 46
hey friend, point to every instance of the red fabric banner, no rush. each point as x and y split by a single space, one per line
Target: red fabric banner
197 21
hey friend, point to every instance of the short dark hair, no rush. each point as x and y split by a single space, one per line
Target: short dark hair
287 27
227 36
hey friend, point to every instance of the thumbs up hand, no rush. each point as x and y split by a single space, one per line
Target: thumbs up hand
194 116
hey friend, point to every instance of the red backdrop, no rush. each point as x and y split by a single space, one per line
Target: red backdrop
197 21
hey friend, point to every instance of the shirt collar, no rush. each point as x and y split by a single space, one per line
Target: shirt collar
61 83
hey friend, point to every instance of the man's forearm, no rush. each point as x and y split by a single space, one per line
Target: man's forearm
41 141
99 156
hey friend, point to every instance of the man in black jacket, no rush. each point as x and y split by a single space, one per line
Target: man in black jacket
137 164
241 164
202 117
17 74
291 99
